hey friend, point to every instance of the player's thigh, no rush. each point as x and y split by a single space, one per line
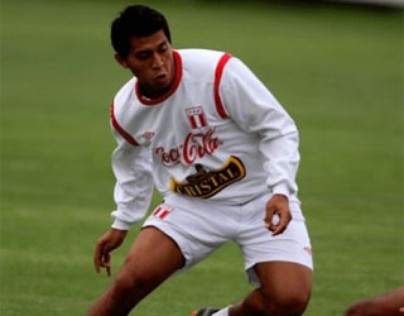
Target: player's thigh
285 281
153 257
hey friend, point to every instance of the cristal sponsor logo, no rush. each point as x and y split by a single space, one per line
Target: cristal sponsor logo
205 184
194 146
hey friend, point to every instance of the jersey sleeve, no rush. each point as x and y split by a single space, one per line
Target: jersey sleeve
254 109
134 182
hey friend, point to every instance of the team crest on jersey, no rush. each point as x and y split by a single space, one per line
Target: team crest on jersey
196 117
204 183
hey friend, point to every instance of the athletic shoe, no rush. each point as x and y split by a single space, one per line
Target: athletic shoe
205 311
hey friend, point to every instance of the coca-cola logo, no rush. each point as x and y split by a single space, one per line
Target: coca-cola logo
194 146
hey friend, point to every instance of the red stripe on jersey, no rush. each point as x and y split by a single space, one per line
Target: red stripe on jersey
202 120
218 76
174 84
120 130
192 120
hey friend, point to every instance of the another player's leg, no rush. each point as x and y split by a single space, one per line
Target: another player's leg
391 303
205 311
151 260
285 290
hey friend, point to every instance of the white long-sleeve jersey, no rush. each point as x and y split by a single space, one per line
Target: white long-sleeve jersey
218 135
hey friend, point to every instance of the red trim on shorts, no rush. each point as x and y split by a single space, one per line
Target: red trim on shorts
120 130
174 85
161 212
218 76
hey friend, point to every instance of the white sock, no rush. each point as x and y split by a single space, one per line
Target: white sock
222 312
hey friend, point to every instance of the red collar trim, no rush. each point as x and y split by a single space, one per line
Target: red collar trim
173 88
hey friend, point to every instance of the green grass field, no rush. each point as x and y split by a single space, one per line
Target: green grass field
338 71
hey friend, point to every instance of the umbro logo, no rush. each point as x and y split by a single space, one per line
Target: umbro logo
148 135
308 250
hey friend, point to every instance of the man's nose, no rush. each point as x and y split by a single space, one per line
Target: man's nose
157 61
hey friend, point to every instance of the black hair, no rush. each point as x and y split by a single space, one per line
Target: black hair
136 21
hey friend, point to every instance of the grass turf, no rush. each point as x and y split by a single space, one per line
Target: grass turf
338 71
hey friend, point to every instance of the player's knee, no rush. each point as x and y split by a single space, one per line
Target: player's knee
291 304
131 282
123 284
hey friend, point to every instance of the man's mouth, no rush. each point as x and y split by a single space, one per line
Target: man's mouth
162 78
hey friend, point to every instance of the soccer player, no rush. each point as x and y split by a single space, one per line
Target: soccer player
200 127
388 304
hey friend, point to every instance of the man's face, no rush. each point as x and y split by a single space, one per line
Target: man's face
151 60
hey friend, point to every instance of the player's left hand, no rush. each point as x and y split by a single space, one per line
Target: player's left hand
278 214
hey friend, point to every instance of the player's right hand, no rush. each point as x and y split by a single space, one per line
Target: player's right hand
111 240
278 206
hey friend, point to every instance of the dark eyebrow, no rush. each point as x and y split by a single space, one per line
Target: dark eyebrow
165 42
145 51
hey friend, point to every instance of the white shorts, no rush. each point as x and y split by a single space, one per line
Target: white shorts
199 228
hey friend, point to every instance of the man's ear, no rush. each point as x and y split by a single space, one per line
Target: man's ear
120 60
